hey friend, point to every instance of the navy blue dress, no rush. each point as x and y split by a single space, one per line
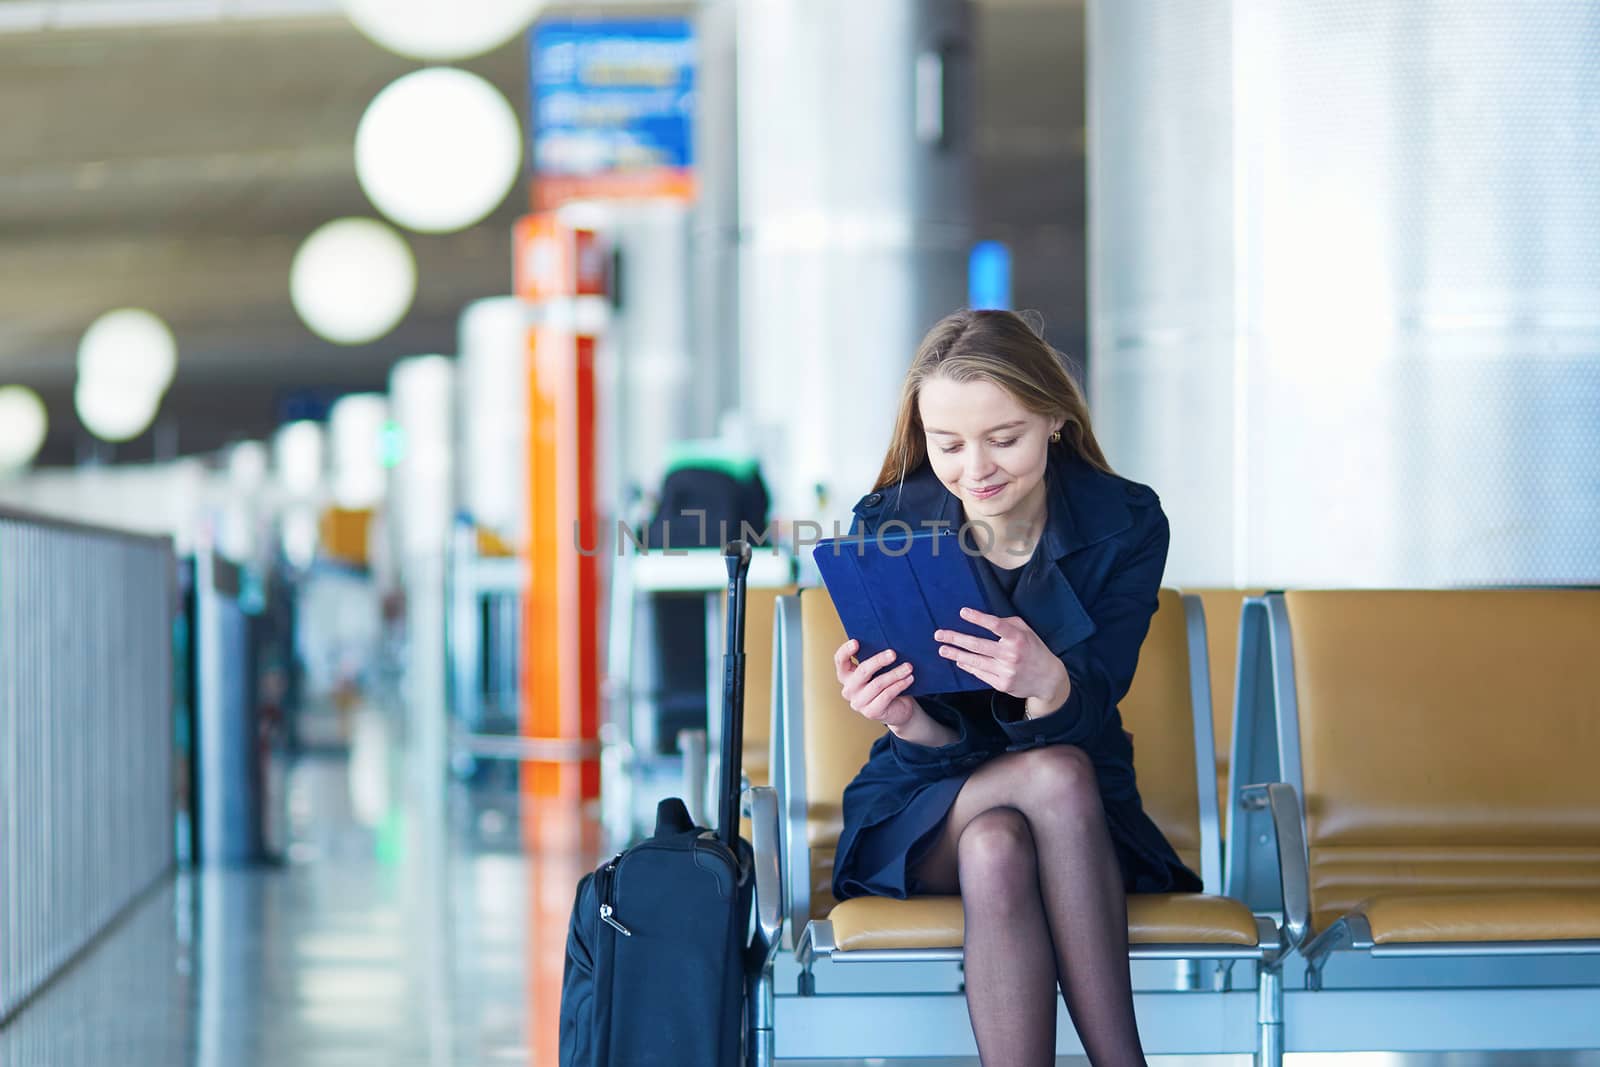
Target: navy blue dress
1089 591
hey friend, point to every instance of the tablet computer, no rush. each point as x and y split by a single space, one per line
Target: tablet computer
893 590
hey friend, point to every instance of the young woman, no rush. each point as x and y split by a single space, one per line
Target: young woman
1020 797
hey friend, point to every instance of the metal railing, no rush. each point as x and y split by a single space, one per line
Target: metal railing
87 803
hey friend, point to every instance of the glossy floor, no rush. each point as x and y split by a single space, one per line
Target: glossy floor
400 940
383 944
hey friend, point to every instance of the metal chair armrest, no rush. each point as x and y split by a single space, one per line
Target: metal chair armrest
763 802
1294 871
790 771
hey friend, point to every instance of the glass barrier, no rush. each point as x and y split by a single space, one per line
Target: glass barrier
87 797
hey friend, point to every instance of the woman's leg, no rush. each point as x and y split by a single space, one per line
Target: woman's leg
1079 880
1010 966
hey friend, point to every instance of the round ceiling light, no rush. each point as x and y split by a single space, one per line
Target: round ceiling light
23 423
128 349
441 29
111 412
438 149
353 280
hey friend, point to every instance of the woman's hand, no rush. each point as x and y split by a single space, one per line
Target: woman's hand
1016 662
880 698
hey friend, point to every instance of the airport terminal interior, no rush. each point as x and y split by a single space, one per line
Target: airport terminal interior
385 386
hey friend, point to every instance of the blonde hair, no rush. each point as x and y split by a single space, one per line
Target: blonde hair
998 347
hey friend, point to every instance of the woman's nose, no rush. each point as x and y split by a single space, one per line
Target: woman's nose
979 466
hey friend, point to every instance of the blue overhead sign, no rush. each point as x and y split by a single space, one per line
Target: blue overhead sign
613 108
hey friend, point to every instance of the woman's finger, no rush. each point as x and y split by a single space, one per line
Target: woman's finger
842 654
869 692
966 659
878 662
982 645
860 679
982 666
1003 627
844 659
847 668
869 667
881 703
979 668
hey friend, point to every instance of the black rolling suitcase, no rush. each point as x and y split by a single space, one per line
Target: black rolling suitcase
659 946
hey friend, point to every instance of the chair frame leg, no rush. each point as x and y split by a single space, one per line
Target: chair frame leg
1269 1015
760 1046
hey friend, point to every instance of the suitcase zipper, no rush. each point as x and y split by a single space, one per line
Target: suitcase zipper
607 912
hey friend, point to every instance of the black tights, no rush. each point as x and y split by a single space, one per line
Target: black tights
1026 846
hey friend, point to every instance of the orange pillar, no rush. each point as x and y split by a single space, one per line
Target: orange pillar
557 265
561 690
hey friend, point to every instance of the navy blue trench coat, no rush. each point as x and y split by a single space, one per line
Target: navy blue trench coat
1088 591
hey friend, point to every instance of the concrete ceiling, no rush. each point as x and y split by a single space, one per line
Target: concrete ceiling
178 168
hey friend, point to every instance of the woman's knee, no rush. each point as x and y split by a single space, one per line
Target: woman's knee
996 850
1060 782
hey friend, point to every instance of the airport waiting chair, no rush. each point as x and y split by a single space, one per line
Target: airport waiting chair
761 607
760 694
704 770
1441 879
868 944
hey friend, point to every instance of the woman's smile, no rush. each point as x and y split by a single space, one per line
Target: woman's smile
987 449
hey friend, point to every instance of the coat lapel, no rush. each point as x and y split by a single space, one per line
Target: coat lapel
1085 507
1048 603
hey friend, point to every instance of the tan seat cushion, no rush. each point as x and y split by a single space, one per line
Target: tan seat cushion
1346 876
1523 916
935 922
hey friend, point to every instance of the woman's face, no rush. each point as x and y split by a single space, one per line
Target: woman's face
986 448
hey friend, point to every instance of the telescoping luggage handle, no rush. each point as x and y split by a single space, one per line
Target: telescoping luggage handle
737 557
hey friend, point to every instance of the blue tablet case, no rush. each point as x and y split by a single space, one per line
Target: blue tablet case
894 590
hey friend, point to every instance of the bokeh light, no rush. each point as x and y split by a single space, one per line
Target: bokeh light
441 29
111 411
353 280
438 149
129 348
23 424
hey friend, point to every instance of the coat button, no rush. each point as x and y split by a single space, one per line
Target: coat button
873 499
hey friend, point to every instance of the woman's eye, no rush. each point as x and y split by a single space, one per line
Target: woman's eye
952 448
1006 443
